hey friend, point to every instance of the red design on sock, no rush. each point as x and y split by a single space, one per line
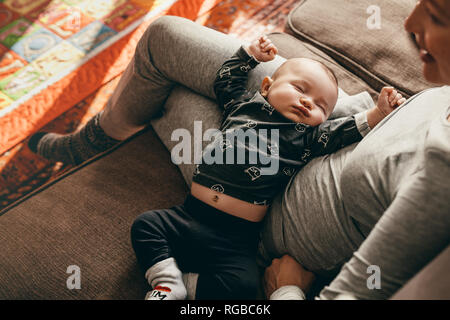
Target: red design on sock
161 288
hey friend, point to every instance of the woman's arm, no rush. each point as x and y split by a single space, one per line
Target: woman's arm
411 232
409 235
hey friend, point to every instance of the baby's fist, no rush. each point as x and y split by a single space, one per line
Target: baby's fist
389 99
262 49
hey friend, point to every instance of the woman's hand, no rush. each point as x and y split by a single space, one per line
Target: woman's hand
286 271
262 49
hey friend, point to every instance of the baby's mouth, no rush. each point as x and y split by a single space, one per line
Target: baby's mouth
303 110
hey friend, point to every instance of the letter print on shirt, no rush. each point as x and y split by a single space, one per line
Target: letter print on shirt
288 171
300 127
196 170
218 188
253 172
245 68
251 124
268 108
324 139
305 155
226 71
260 203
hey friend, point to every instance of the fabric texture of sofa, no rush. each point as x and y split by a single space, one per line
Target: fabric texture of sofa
83 218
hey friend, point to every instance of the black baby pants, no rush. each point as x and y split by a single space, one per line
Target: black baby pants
218 246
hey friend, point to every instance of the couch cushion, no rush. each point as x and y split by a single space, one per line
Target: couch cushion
84 219
385 56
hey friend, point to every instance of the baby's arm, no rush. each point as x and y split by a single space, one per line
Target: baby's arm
338 133
262 49
333 135
231 78
388 100
330 136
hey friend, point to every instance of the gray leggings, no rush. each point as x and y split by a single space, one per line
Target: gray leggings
173 51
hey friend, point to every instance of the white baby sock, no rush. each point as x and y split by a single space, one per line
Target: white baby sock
166 281
190 283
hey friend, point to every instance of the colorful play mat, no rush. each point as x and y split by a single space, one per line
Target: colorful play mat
61 59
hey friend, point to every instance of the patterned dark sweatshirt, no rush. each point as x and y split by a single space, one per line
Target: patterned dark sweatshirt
257 149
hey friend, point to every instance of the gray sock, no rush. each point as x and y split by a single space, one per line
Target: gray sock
73 148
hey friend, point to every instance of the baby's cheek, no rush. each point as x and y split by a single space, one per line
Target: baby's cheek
319 117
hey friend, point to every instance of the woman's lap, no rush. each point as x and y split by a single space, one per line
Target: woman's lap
308 221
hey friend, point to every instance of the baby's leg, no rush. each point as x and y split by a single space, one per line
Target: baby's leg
221 248
231 278
153 235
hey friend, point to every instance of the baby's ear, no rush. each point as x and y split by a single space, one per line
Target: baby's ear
265 86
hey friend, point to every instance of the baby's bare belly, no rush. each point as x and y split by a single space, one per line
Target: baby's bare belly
228 204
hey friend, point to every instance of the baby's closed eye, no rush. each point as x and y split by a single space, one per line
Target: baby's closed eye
298 88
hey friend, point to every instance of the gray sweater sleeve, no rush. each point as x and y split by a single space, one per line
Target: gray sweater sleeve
411 232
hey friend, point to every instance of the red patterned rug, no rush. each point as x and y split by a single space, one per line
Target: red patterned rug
21 171
57 52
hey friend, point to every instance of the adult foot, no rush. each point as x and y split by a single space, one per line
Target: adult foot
73 148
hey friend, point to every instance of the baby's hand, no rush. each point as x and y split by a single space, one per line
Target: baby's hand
262 49
388 100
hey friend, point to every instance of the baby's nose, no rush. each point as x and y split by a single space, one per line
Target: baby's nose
305 102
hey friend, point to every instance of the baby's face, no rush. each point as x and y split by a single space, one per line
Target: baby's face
302 91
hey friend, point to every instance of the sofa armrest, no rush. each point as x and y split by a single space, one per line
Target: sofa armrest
432 282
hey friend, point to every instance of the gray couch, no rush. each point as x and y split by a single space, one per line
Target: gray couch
84 217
